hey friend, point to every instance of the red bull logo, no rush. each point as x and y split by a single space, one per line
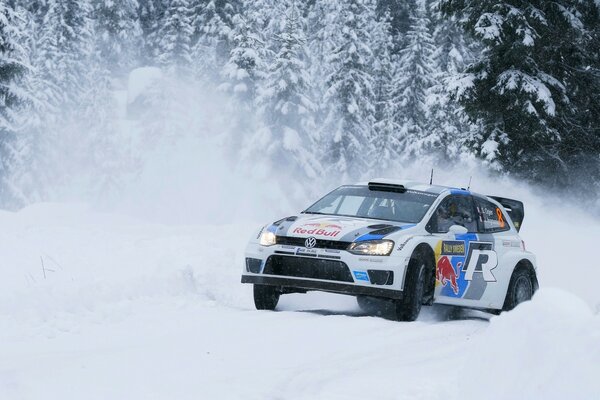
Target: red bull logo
319 229
446 273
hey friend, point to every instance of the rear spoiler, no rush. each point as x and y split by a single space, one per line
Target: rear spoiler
514 208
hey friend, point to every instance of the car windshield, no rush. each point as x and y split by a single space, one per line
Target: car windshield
360 201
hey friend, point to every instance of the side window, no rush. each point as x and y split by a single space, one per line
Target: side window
454 210
491 218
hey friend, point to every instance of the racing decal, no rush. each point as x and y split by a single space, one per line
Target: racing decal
446 273
378 234
401 246
361 276
500 217
318 229
453 248
460 192
481 259
464 266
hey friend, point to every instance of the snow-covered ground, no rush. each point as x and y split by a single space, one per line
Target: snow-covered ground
99 305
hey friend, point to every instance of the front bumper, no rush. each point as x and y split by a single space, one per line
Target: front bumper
293 268
324 286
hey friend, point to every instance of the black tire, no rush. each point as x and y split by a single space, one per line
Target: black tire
368 304
266 297
521 287
409 307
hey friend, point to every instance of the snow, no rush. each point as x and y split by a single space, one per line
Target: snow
489 26
140 79
554 339
135 309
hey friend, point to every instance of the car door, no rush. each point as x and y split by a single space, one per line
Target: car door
489 266
452 249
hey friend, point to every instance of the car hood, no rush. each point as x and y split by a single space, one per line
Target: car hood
345 229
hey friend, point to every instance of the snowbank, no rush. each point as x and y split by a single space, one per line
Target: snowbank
100 305
544 349
65 257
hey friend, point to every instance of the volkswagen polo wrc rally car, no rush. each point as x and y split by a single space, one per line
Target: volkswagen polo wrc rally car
408 242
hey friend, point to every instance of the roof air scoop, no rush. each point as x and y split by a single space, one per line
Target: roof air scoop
386 187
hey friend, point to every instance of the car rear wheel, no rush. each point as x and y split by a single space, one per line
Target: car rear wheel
266 297
409 307
521 288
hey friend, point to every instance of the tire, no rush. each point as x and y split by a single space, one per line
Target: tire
521 287
266 297
409 307
367 304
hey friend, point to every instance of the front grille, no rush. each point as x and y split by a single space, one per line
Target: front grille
381 277
321 244
308 268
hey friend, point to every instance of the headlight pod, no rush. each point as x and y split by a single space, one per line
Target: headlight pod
268 239
372 248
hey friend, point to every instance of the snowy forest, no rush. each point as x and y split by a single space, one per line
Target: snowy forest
302 90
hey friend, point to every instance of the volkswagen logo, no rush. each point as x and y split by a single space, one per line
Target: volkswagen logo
310 242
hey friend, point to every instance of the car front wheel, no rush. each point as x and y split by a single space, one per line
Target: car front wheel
266 297
409 307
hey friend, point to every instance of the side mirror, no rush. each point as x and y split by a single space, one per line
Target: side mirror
458 230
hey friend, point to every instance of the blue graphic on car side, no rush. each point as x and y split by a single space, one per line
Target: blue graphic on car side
361 276
457 263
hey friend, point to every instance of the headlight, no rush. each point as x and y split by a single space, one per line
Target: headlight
372 247
268 239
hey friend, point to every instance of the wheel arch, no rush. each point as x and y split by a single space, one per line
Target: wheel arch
424 251
528 265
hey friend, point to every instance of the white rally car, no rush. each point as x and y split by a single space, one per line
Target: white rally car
408 242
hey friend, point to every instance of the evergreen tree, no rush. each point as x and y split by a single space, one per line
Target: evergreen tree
150 14
176 35
213 27
448 127
65 44
12 96
350 85
533 86
118 33
399 13
286 105
247 60
386 143
413 81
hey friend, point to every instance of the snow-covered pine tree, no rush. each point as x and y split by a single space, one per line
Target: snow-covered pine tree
150 16
448 127
288 138
12 97
176 33
349 86
118 33
65 42
213 25
386 144
248 57
399 15
530 87
413 81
